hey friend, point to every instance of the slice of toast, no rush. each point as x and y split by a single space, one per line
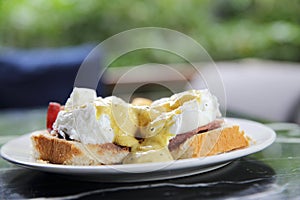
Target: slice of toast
212 143
60 151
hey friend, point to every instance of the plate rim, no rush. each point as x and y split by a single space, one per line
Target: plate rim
171 165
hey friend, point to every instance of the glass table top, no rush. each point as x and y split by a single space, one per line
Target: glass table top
273 173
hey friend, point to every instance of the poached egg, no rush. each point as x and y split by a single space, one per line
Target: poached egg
145 128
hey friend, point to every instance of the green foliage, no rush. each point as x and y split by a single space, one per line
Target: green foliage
227 29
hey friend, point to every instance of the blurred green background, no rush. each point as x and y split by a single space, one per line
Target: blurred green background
227 29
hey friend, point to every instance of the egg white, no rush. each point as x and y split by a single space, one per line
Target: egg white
82 121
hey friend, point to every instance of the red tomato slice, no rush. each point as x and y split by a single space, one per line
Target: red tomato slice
53 110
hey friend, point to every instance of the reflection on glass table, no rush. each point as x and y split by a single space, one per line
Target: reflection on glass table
272 173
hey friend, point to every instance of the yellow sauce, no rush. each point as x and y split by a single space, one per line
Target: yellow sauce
157 155
178 101
146 123
154 145
123 126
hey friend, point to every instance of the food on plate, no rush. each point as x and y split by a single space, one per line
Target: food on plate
91 130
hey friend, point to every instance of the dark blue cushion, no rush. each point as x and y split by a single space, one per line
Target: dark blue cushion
32 78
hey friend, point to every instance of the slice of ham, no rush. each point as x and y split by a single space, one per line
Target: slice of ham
180 138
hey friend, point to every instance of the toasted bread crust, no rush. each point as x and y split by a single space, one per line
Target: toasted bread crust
212 143
54 150
60 151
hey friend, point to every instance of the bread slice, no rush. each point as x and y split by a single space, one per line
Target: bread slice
60 151
211 143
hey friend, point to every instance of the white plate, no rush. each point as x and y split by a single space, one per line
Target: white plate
18 151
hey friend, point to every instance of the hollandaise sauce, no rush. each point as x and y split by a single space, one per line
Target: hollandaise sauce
153 146
144 126
123 125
